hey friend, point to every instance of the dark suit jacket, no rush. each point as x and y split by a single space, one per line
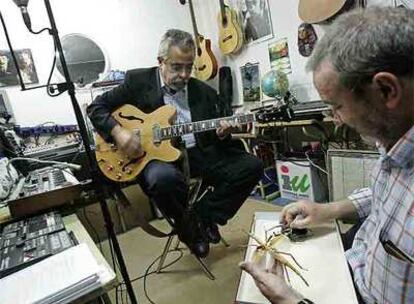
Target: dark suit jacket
142 89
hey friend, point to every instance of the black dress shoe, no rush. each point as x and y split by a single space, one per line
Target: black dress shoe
212 233
200 248
191 232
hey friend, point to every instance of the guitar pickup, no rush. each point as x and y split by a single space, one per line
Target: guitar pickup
156 134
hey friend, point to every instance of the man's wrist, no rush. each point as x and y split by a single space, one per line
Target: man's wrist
116 130
295 298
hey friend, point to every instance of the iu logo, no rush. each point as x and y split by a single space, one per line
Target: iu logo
297 183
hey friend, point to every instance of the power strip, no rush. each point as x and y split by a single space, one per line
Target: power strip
54 129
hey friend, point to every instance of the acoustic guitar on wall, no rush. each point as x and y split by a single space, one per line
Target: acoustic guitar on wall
205 63
230 32
316 11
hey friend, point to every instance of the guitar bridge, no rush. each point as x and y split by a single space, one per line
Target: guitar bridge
156 134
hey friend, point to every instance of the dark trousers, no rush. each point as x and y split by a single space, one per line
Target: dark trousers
233 174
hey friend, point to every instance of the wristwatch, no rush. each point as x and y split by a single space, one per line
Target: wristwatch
305 301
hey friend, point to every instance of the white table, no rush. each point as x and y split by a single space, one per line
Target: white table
322 255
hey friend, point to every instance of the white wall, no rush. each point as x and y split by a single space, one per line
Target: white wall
285 23
129 30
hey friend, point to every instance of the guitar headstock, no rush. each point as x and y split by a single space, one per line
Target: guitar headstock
274 113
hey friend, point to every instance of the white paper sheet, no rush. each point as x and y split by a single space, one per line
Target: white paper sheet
56 277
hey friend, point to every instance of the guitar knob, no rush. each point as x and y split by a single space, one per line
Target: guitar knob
118 176
110 168
121 162
129 171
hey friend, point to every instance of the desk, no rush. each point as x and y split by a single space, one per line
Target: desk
322 255
63 263
72 223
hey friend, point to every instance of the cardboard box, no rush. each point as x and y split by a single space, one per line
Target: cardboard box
299 180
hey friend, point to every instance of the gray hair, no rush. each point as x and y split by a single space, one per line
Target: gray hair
361 43
175 37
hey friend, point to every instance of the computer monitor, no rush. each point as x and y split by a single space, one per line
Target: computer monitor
6 110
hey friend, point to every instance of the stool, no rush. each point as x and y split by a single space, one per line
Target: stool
195 187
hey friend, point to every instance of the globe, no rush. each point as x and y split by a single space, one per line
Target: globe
275 84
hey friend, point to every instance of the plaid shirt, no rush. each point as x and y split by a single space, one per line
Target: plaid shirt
389 208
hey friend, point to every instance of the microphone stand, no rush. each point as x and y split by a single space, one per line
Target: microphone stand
97 178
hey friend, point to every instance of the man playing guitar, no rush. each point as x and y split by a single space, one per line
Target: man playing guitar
212 155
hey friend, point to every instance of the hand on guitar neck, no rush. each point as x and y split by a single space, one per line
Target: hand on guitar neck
127 141
226 128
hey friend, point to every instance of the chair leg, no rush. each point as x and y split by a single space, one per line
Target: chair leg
224 242
199 260
205 268
164 253
177 244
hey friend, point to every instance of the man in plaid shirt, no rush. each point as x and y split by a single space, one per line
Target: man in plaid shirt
364 68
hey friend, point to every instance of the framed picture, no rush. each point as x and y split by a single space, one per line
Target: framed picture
8 72
257 24
279 56
250 76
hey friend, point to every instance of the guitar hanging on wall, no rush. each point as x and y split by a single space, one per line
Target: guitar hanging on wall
230 32
156 133
205 63
317 11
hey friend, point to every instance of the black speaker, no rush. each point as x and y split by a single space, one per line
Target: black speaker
225 91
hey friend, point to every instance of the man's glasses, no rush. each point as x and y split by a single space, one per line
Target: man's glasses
180 67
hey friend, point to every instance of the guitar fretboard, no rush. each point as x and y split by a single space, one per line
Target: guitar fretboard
202 126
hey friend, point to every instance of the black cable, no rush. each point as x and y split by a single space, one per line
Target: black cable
49 140
51 72
148 272
16 64
40 31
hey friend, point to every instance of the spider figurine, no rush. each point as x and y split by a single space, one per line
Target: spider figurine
269 246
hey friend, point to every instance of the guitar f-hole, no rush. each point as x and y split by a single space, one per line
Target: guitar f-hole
130 117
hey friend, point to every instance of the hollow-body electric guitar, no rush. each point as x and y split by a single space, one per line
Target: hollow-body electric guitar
155 133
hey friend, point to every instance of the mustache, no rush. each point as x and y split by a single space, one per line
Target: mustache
179 82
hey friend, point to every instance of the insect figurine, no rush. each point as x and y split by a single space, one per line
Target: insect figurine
269 246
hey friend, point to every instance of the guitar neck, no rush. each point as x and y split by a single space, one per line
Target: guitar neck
202 126
222 12
193 21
